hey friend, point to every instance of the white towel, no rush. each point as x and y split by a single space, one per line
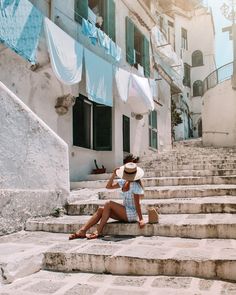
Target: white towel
122 78
66 54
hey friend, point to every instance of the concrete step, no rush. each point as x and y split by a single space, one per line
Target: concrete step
168 192
225 204
163 181
106 284
185 161
178 173
199 226
208 259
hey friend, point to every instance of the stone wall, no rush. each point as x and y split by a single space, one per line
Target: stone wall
34 165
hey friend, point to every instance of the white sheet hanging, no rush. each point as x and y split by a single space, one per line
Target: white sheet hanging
122 78
140 95
66 54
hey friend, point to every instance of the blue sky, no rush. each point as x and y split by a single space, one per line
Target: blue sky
224 52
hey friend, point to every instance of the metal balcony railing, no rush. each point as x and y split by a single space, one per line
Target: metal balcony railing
221 74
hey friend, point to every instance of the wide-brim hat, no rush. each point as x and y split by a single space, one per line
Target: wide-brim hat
130 172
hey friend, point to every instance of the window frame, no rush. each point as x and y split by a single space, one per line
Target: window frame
93 144
152 129
197 58
184 38
197 88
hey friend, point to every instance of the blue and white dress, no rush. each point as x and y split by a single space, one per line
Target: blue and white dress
128 198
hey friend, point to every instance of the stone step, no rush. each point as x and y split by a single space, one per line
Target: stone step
207 258
163 181
199 226
185 161
171 167
178 173
167 192
107 284
225 204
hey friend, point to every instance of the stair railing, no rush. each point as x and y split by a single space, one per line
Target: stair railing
219 75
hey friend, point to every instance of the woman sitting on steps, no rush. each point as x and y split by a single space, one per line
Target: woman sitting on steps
131 191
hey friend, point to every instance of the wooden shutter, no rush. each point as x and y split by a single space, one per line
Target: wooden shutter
108 11
146 57
81 10
126 134
82 123
129 41
102 128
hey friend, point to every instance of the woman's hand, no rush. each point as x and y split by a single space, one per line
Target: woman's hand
141 223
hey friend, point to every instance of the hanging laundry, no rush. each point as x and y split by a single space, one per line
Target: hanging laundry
104 41
122 78
20 27
115 51
90 30
99 78
140 95
66 54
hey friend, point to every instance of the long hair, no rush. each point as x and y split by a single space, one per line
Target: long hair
140 183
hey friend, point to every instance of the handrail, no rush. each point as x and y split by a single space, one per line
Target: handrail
219 75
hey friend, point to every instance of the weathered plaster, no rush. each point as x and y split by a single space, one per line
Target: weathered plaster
32 158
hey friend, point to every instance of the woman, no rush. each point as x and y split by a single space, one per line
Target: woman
131 190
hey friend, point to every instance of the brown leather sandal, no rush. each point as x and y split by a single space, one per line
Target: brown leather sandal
94 235
78 235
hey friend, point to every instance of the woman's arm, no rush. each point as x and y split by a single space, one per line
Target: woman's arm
110 184
138 210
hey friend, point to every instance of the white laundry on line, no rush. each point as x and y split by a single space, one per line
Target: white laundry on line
66 54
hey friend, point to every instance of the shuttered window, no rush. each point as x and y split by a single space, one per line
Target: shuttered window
126 134
198 88
153 139
187 75
108 12
92 125
197 58
146 57
184 38
82 114
137 47
81 10
102 126
129 41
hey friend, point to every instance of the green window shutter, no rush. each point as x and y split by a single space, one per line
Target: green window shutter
146 57
102 128
129 41
126 134
81 10
108 10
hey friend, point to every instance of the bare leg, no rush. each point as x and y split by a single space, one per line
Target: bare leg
81 233
113 210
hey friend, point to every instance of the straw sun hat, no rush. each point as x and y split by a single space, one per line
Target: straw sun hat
130 172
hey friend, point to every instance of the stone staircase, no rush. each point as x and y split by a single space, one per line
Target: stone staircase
194 187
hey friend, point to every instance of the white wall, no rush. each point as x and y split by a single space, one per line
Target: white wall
34 165
219 102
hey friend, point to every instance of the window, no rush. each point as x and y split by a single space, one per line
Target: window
137 47
92 125
187 79
184 39
104 8
126 134
198 88
153 142
197 58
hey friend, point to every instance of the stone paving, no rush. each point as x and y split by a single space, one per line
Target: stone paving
44 283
